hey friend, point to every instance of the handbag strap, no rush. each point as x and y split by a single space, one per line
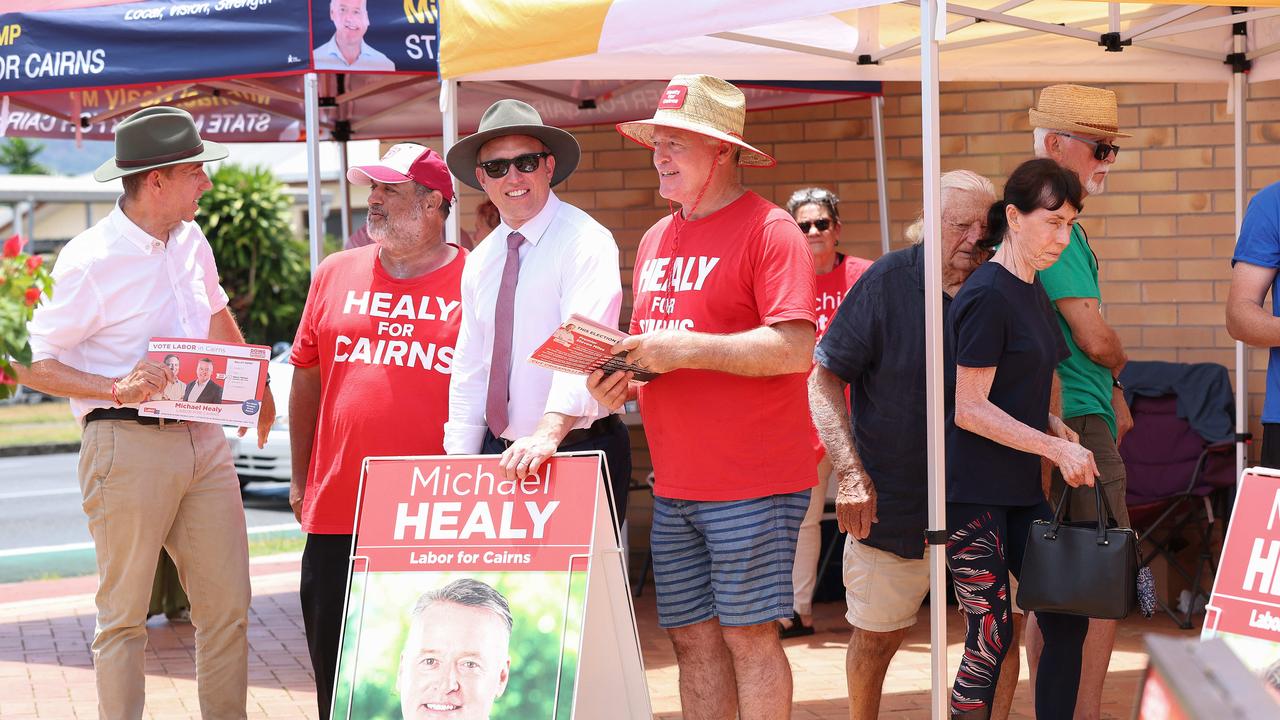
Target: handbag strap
1100 502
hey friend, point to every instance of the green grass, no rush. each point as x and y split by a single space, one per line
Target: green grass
276 545
49 422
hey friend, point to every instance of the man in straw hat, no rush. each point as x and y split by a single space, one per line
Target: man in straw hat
1077 126
546 260
724 292
144 271
371 373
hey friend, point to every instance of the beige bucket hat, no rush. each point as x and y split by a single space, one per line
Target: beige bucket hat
1079 109
705 105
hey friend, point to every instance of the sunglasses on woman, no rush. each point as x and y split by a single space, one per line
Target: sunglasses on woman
526 164
822 225
1101 150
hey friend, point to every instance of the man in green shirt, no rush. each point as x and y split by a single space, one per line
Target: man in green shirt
1077 127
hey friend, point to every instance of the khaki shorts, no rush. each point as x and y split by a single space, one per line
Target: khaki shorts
884 591
1095 435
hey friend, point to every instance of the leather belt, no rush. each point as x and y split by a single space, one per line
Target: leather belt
603 426
127 414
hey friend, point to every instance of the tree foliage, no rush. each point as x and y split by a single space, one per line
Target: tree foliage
18 156
263 265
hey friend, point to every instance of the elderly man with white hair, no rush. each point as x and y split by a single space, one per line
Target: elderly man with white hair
875 347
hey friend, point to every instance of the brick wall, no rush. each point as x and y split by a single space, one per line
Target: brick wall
1163 231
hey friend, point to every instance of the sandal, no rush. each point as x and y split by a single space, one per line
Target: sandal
797 628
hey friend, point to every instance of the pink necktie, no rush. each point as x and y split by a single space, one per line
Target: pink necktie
503 321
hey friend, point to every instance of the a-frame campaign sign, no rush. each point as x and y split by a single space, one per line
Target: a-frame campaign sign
544 550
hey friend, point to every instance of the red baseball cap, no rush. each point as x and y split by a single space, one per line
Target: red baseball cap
407 162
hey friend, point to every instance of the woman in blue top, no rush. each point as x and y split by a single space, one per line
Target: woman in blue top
1007 343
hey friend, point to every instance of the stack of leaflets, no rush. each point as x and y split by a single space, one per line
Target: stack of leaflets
581 346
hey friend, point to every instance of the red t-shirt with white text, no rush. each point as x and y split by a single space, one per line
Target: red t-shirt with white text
831 289
385 351
712 435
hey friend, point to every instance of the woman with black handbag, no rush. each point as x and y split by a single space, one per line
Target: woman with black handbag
1007 343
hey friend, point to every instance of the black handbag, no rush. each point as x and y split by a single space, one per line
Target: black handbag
1080 568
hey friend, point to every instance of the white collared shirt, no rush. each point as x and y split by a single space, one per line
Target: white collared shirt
568 264
115 288
197 387
329 57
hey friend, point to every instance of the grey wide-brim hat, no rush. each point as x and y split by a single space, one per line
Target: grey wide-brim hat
512 117
154 138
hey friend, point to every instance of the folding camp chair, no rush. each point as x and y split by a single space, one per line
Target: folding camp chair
1175 477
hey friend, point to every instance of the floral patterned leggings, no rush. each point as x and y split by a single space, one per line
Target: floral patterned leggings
985 544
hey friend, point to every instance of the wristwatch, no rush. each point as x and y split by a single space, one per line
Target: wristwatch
1115 383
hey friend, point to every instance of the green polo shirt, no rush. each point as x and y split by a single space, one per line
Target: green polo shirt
1086 385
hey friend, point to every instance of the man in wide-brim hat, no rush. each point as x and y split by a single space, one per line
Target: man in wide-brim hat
1078 127
146 271
724 310
545 261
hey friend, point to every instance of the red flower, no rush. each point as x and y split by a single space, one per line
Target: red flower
13 246
6 380
34 262
33 295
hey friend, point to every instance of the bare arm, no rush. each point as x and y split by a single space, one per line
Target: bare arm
778 349
526 454
856 496
1092 333
976 413
304 407
52 377
1247 320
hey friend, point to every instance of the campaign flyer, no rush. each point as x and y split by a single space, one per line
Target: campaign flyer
1244 609
581 346
468 590
213 382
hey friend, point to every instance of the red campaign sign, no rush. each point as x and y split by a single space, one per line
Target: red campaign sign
461 513
1246 591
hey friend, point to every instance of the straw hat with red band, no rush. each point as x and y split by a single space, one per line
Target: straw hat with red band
1077 109
704 105
406 162
157 137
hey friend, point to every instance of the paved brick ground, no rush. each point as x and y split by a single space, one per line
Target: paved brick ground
46 672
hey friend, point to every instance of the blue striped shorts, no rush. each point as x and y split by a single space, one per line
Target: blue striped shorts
730 559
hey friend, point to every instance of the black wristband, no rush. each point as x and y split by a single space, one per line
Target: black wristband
1115 383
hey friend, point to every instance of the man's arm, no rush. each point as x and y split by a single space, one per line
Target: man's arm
468 381
1247 320
52 377
856 496
223 328
304 407
778 349
1091 332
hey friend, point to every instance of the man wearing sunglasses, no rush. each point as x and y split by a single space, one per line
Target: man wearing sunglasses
545 261
1077 127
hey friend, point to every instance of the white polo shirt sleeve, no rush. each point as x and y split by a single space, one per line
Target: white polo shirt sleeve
72 313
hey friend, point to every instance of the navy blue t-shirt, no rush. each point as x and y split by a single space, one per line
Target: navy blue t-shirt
1002 322
876 344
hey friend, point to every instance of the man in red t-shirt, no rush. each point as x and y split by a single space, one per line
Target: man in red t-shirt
724 293
372 359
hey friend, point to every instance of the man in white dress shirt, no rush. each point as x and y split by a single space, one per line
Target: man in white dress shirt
545 261
145 271
347 50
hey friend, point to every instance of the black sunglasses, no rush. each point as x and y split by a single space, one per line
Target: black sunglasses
524 163
1101 150
822 225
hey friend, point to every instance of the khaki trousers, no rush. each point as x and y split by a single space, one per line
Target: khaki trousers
172 486
804 573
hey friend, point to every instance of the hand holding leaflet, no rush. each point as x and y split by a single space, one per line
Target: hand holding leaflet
581 346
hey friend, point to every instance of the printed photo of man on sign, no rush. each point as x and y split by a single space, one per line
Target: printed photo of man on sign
488 646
